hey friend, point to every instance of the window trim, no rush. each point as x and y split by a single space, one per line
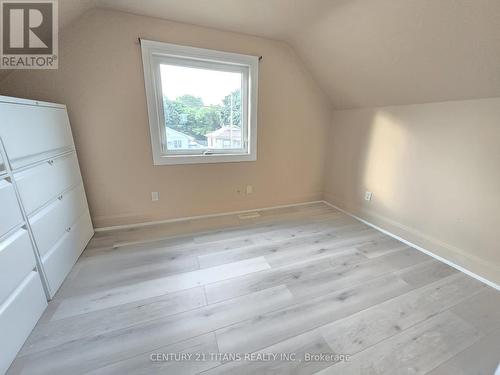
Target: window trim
155 52
208 65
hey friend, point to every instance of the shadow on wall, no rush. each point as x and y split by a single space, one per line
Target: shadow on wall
433 171
369 156
404 172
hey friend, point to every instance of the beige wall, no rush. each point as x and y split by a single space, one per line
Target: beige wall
434 170
101 80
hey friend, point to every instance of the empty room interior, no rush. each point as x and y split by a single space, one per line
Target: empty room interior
250 187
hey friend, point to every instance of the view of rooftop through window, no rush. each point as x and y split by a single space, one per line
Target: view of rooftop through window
202 108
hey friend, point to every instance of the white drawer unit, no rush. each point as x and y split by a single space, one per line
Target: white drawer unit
44 217
16 261
10 213
18 316
30 130
52 222
46 181
62 256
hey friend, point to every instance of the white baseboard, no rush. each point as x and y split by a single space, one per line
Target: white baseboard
186 218
419 248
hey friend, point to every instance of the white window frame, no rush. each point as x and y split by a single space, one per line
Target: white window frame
156 53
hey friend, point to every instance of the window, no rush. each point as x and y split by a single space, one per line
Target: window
202 104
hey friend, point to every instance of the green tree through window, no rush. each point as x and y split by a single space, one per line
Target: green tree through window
189 115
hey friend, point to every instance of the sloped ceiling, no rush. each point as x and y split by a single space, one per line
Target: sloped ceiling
362 52
383 52
276 19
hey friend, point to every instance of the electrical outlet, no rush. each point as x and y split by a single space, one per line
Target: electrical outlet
368 196
155 196
249 189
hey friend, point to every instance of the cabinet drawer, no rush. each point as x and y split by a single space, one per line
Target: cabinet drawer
10 213
51 223
44 182
62 256
2 165
18 316
29 130
17 260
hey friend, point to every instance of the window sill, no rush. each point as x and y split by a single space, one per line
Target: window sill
203 159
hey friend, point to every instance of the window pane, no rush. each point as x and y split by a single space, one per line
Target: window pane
203 108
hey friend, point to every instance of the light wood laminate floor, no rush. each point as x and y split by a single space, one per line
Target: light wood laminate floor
295 282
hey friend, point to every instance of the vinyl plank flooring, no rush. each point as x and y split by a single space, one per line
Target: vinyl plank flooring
54 333
377 323
290 214
481 310
188 359
263 248
380 246
343 256
259 332
416 350
151 288
105 277
286 357
402 258
268 247
279 230
164 250
151 252
254 282
426 272
333 224
294 280
344 273
481 358
90 353
106 240
317 276
318 249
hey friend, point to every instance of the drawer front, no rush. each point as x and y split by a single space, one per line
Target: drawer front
2 165
17 260
58 262
44 182
10 213
18 316
50 224
30 130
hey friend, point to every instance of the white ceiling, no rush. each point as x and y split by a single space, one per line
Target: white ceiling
362 52
383 52
276 19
